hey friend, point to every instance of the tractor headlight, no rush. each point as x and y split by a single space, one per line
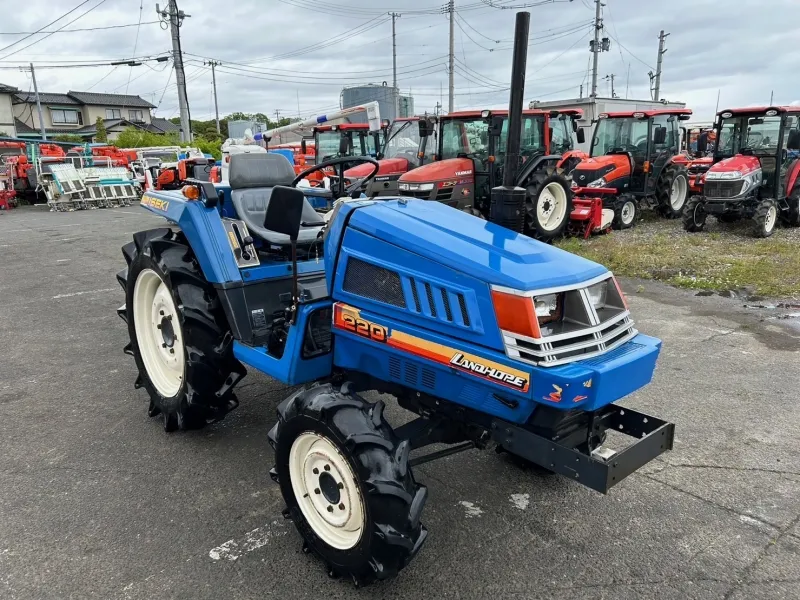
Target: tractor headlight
415 187
723 175
597 183
598 294
546 305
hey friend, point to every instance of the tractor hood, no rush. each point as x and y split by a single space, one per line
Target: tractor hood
475 247
610 167
439 170
740 162
387 166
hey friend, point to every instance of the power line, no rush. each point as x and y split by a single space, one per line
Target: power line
458 19
45 27
135 44
631 53
476 31
77 30
51 33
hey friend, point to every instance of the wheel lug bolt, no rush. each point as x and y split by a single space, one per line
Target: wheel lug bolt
161 312
158 326
172 350
169 317
341 506
316 491
340 485
163 344
316 471
330 508
327 467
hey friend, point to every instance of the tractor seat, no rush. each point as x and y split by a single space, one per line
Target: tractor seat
252 178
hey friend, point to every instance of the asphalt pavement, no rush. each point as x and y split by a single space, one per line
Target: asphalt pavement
96 501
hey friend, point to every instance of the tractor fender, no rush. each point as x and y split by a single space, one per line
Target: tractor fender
573 157
533 165
204 232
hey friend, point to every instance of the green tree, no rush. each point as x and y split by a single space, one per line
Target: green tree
69 137
102 134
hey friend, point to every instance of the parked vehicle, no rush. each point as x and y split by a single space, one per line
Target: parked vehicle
635 161
755 171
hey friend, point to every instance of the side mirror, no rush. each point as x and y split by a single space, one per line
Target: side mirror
303 147
550 135
660 135
285 211
425 128
575 127
344 145
496 126
580 135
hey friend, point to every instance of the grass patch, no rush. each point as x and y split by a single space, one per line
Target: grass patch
724 258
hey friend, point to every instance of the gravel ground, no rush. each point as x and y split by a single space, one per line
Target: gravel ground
96 501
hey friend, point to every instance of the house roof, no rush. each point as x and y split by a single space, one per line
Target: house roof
88 130
164 125
45 98
7 89
109 99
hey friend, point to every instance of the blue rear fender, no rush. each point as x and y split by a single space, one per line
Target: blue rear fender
203 229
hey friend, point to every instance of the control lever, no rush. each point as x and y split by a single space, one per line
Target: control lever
244 241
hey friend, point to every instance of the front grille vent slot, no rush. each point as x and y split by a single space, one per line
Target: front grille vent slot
373 282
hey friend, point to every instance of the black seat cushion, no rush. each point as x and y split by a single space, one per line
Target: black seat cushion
252 178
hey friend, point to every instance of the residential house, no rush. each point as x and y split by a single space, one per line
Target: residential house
76 113
7 127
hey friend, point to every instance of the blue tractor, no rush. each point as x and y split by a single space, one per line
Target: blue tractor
487 336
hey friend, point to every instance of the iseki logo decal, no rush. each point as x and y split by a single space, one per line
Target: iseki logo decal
155 203
460 361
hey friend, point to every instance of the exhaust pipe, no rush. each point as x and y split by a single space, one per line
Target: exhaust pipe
507 206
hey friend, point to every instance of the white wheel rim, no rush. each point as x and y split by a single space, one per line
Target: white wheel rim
551 206
158 333
677 194
326 491
770 218
628 212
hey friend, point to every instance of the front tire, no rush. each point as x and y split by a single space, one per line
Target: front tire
548 206
347 483
792 217
765 219
625 212
672 191
694 215
178 333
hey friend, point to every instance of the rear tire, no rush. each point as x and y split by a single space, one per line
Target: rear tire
672 191
792 217
548 206
765 219
694 215
625 212
347 483
178 333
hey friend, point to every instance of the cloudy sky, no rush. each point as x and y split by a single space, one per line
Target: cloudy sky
295 56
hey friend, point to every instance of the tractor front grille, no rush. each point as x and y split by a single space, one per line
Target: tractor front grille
582 331
444 194
698 169
423 195
723 189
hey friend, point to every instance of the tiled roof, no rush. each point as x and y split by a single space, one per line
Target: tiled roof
165 125
109 99
45 98
7 89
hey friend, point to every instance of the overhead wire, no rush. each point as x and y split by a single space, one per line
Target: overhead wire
4 48
101 28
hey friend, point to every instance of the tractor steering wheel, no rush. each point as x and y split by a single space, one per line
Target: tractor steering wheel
343 190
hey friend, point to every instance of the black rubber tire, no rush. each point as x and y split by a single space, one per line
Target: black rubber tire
664 189
393 501
474 212
792 216
759 218
728 218
538 182
619 204
211 371
694 217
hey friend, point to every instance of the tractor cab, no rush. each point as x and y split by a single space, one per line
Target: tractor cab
636 158
404 149
471 157
756 162
347 139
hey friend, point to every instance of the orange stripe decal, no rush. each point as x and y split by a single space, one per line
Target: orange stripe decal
349 319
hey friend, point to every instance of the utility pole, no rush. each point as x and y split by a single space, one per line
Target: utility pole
771 95
628 81
38 103
598 26
662 38
580 94
451 10
213 64
277 118
396 92
176 18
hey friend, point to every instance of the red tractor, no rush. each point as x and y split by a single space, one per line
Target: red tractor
174 178
755 171
635 160
470 160
403 150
